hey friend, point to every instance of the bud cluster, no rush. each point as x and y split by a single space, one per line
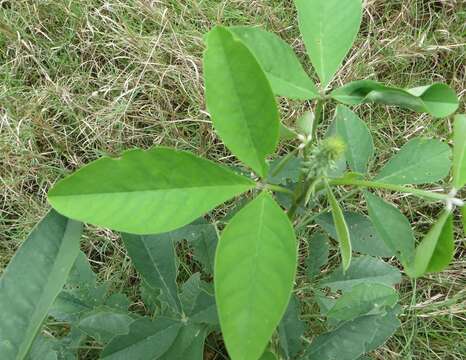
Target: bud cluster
322 157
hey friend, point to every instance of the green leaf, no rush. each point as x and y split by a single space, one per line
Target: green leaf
341 227
82 295
285 169
318 254
286 133
305 124
291 329
154 258
103 325
438 100
392 227
459 153
325 303
268 355
358 139
146 340
388 324
364 237
419 161
148 192
357 335
360 336
204 247
364 269
363 299
437 248
240 100
329 30
189 344
43 348
198 301
255 268
279 62
32 281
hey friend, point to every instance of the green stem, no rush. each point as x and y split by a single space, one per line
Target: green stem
318 116
398 188
277 188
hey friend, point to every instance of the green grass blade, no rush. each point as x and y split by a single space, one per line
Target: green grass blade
33 280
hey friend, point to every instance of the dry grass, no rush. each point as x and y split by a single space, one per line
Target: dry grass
83 78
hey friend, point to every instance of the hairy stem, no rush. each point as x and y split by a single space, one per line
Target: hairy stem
303 185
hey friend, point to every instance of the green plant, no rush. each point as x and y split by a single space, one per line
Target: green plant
164 192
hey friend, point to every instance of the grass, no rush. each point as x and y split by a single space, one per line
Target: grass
83 78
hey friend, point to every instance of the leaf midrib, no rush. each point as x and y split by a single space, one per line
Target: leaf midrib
105 192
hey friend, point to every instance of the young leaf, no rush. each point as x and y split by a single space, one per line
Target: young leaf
419 161
146 340
459 153
279 62
305 124
129 193
436 250
318 254
392 227
32 281
438 100
364 237
154 258
363 299
240 99
329 29
255 266
341 228
290 330
103 325
358 139
364 269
